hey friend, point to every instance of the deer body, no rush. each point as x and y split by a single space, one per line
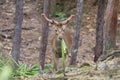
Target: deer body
56 43
61 33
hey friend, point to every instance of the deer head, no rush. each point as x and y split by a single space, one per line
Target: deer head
58 27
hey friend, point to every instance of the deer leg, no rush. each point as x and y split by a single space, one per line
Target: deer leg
55 62
68 52
55 65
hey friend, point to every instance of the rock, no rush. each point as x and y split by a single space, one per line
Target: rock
112 64
101 66
109 65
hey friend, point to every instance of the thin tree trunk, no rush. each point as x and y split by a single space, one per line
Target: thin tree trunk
44 39
95 2
76 34
2 2
110 26
17 31
99 29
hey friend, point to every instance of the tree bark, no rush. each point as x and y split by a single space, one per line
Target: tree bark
2 2
110 26
99 29
95 2
76 34
17 31
44 39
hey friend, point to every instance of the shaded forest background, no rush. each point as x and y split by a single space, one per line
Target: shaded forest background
31 30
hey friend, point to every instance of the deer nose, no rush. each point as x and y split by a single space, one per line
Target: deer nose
60 38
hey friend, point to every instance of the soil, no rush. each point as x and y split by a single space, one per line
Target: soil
31 34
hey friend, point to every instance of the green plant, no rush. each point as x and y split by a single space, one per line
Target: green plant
25 71
48 68
4 60
85 65
63 53
5 68
5 72
60 15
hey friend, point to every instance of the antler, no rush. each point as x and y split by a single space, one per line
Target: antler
49 20
67 20
46 18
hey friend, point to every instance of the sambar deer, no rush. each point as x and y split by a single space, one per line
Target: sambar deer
61 33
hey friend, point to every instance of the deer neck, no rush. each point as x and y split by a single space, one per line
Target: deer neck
58 43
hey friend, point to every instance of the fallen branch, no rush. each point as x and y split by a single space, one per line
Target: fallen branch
5 36
113 53
12 29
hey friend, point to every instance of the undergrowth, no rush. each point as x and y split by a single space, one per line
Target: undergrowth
7 72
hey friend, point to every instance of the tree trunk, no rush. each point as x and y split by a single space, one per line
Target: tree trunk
76 34
95 2
99 29
110 26
17 31
2 2
44 39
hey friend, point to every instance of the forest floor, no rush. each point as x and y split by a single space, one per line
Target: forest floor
31 36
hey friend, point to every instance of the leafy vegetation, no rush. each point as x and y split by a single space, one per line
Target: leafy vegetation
7 72
85 65
48 68
25 71
59 15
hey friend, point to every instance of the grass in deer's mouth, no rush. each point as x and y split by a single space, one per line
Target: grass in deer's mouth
63 47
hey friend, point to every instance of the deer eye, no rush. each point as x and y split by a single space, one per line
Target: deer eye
56 30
